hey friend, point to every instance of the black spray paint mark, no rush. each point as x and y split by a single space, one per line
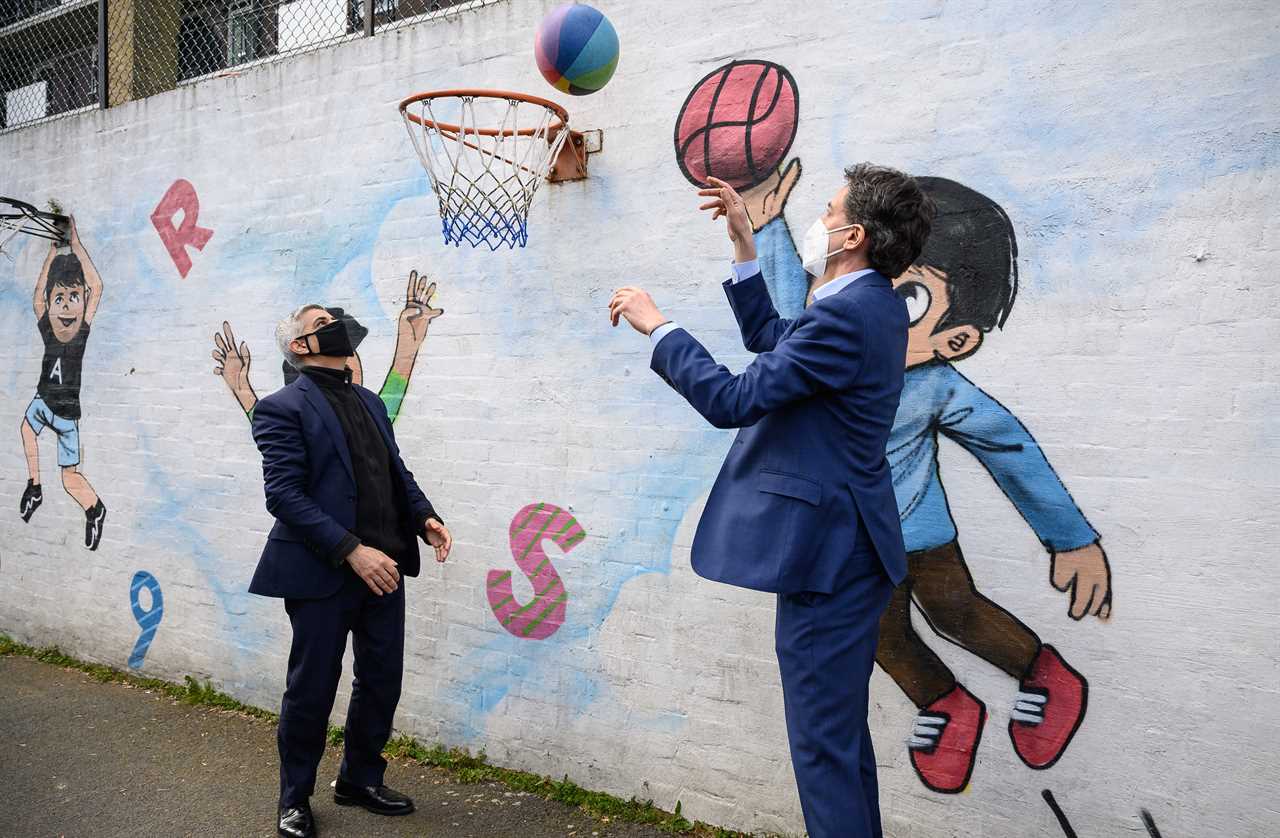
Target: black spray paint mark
1147 821
1059 814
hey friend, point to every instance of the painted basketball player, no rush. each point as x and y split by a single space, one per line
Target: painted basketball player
67 296
962 287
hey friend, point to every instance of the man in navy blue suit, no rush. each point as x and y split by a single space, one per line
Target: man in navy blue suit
348 514
804 503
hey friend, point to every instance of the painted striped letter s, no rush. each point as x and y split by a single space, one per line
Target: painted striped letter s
542 616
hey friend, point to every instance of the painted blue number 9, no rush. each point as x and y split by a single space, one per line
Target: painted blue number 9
149 620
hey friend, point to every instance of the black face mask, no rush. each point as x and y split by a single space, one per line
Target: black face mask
331 339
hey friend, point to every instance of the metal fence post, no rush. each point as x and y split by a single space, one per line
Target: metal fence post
368 18
103 52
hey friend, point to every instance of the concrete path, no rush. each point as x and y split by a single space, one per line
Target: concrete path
83 758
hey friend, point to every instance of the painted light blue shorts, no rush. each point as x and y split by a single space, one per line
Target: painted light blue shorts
39 417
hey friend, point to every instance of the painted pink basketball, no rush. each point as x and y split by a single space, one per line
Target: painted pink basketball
738 124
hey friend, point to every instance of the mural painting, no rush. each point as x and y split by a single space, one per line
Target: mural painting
232 360
961 288
545 613
181 199
67 295
737 124
148 619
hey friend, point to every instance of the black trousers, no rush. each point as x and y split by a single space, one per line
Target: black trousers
320 628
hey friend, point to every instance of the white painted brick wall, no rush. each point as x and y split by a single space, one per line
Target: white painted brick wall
1134 145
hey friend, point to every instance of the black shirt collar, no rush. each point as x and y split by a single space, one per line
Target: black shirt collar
326 377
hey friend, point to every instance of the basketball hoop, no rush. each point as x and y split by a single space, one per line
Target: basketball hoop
486 167
20 217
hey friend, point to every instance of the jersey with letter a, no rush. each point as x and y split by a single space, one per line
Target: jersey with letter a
60 373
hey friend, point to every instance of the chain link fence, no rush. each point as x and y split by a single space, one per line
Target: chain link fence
60 56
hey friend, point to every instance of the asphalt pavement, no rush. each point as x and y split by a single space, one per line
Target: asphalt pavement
79 757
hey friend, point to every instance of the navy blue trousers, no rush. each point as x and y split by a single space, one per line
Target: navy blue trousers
320 628
826 646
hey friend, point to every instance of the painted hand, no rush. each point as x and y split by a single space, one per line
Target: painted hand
232 362
438 536
766 200
1085 573
417 313
637 307
725 201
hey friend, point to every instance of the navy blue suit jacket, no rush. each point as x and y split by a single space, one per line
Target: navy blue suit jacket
815 408
311 490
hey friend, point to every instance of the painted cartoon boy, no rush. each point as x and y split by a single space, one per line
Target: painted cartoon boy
963 286
66 299
232 361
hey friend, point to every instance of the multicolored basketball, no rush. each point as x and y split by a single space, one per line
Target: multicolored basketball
738 124
577 49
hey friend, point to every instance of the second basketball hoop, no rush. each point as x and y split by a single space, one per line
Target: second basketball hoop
486 152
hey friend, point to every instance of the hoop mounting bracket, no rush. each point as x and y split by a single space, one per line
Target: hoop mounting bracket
571 163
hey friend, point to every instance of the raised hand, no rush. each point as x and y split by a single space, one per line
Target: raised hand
232 365
637 307
725 201
417 313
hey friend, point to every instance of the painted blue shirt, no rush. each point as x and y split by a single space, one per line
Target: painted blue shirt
936 399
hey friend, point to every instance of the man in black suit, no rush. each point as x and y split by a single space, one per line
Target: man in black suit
348 514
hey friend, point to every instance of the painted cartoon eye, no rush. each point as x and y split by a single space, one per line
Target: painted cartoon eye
917 298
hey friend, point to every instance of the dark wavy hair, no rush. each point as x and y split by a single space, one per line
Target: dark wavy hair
895 212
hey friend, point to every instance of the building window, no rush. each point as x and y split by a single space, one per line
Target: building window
200 49
242 32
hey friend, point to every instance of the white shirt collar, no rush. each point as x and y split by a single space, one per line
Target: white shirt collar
838 284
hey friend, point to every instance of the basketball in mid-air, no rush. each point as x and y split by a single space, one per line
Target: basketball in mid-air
576 48
738 124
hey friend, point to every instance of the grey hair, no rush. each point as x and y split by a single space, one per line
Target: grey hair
289 329
895 212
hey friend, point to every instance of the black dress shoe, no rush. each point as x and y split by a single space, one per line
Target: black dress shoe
377 799
296 821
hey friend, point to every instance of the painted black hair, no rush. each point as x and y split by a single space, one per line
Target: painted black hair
973 243
65 271
355 331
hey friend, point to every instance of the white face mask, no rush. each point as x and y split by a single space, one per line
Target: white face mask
814 249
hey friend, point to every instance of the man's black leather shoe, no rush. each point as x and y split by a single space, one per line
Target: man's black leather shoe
377 799
296 822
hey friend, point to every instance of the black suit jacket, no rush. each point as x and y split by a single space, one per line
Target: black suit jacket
311 490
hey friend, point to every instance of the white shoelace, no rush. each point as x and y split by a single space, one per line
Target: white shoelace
1029 707
926 732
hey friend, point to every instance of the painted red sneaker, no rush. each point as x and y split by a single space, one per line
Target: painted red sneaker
1048 710
944 740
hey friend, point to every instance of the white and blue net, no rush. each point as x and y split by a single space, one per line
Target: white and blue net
486 172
